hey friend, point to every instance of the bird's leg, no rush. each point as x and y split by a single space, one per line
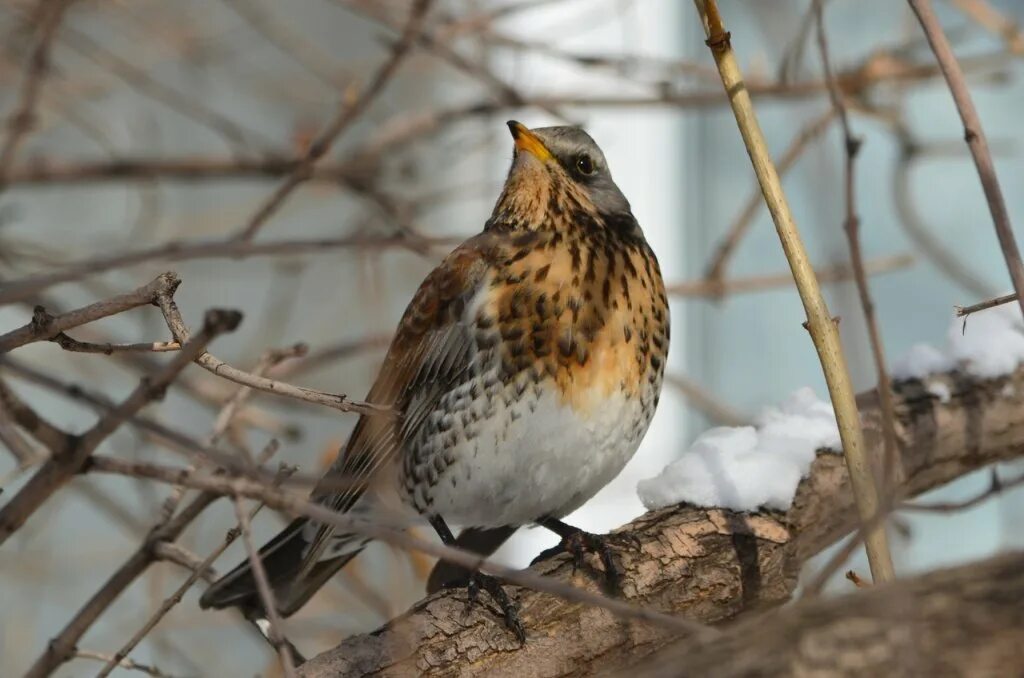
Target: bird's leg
576 542
477 581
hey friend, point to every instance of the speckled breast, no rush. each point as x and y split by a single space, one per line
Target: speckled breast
570 344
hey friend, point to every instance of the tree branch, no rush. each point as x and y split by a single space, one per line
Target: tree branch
962 621
67 459
707 564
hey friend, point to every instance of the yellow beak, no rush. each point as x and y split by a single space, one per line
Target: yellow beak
528 141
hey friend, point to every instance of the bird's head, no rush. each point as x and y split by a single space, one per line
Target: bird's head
559 180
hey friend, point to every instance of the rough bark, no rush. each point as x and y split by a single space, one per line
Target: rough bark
965 621
706 564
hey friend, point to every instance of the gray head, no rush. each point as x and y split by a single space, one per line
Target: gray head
561 163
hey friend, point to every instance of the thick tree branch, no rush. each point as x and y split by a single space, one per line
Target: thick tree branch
962 621
708 565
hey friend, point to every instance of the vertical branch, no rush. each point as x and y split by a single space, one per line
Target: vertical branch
23 118
259 573
851 226
974 135
823 330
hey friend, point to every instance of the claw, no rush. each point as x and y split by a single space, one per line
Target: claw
579 542
509 610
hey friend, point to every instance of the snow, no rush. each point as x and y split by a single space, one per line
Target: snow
920 361
940 390
991 345
744 468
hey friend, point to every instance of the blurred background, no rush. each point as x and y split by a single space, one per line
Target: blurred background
160 128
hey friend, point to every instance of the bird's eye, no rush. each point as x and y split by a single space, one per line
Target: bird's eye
585 164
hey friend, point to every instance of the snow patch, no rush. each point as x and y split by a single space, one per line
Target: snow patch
991 345
743 468
940 390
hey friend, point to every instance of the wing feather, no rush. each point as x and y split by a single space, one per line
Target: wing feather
432 348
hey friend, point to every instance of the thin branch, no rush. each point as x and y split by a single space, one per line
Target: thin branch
190 250
23 118
974 135
68 459
274 631
988 17
61 648
700 399
351 109
923 238
27 418
217 366
229 410
823 330
293 504
199 571
851 226
995 487
11 437
44 326
963 311
832 565
75 346
704 287
726 247
127 664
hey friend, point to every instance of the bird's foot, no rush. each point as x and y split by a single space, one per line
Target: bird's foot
478 582
578 542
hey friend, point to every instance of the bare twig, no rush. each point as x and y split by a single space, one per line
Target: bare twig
11 437
762 283
856 580
851 226
75 346
19 290
974 135
988 17
715 270
698 397
61 648
925 241
35 425
351 109
44 326
68 459
297 505
127 664
217 366
23 118
962 311
199 571
275 628
995 487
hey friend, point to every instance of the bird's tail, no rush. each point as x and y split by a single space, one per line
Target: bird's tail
284 561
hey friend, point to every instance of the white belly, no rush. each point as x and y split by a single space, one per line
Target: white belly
535 457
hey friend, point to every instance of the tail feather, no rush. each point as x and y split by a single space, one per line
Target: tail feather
284 561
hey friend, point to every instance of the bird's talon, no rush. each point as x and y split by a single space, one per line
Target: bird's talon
579 542
494 587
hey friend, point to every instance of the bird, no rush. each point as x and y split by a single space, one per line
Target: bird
523 375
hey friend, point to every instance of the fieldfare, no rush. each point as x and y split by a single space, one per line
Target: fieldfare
524 374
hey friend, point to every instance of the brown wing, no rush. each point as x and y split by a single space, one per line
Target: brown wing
432 347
